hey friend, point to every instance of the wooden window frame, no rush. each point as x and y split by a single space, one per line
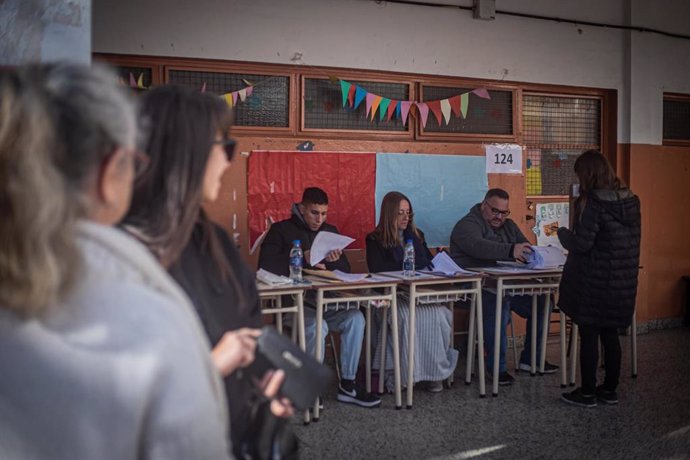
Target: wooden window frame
675 142
134 61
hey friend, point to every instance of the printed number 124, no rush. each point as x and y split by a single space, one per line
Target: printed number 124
503 159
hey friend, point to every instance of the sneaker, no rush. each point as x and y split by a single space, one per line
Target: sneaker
350 392
577 398
435 386
504 378
606 396
548 367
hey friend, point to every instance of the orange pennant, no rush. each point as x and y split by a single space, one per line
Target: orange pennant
391 108
375 105
351 95
455 105
435 107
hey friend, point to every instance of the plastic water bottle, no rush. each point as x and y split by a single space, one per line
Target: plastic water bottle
296 262
408 260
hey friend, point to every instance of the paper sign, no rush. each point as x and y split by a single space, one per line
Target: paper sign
549 217
326 242
503 159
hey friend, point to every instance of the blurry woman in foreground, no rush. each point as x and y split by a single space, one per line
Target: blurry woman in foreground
102 353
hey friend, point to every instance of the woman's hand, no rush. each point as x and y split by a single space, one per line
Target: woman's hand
270 384
235 350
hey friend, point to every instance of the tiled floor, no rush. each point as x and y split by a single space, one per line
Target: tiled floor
526 420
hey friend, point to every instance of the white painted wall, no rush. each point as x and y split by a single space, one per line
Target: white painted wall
45 30
410 38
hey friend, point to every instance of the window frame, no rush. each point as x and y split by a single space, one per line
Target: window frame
674 97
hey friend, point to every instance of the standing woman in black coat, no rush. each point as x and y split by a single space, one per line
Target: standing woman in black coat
599 282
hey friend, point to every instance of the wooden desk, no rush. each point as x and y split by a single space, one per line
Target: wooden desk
363 293
432 289
519 281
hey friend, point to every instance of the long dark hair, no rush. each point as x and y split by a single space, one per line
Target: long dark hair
594 173
387 231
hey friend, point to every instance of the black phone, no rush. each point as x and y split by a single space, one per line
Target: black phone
305 377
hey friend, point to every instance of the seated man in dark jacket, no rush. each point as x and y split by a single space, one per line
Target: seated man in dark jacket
484 236
309 218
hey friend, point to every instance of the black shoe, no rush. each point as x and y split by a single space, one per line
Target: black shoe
504 378
606 396
350 392
577 398
548 367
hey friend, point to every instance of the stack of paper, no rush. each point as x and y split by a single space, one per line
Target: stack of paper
337 275
271 278
444 265
545 257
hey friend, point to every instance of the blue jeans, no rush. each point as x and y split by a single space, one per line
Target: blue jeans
350 324
522 305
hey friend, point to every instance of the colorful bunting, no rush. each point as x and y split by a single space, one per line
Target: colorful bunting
232 98
353 95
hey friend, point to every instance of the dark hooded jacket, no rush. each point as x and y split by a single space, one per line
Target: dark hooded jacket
275 249
599 282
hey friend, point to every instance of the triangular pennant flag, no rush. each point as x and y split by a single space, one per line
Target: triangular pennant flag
360 94
250 90
333 79
122 81
455 105
345 88
445 108
397 109
140 81
482 92
234 97
248 83
464 100
435 107
391 108
375 105
423 111
351 95
203 88
228 99
404 111
243 94
370 100
383 108
132 81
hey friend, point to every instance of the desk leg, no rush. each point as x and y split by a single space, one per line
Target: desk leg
633 343
300 321
384 348
367 352
545 332
470 340
573 353
564 359
411 344
279 315
396 347
480 339
319 338
497 334
533 354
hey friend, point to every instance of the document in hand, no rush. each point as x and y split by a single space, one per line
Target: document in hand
444 265
271 278
326 242
545 257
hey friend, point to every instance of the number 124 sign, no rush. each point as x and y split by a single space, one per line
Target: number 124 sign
503 159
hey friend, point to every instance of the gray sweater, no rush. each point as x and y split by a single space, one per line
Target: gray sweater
474 243
119 370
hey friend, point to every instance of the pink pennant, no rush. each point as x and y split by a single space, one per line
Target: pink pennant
250 90
370 100
203 88
234 97
423 111
404 111
132 81
482 92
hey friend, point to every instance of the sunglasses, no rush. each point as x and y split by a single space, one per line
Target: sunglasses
228 146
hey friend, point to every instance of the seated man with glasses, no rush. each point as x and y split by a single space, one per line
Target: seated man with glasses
486 235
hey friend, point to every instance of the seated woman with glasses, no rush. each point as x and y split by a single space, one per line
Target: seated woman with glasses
435 359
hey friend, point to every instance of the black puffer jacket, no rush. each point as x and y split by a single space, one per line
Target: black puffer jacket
599 281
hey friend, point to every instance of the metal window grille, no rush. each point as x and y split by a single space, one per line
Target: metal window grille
556 130
268 105
484 116
145 72
323 106
677 119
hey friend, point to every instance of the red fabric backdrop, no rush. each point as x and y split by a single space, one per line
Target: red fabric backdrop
276 179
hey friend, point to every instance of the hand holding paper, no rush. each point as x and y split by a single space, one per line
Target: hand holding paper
326 243
543 257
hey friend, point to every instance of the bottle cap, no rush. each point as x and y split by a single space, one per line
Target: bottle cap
296 242
409 240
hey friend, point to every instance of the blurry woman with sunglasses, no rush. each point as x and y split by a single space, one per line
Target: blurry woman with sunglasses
102 354
190 150
435 359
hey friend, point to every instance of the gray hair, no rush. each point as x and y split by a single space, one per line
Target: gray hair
58 122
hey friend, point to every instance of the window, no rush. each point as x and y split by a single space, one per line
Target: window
676 119
556 130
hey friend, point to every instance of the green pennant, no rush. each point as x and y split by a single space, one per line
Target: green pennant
464 101
383 107
345 88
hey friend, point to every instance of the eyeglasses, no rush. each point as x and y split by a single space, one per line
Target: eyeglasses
497 212
228 146
407 213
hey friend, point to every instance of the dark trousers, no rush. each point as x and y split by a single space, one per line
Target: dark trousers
589 357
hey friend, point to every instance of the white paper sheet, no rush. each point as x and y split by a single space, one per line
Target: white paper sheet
444 265
326 242
546 257
271 278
